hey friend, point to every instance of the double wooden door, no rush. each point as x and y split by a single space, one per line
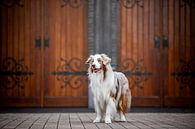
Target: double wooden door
43 47
42 53
157 51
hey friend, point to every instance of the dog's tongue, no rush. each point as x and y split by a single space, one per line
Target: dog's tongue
96 70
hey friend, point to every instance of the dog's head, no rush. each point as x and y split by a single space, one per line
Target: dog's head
98 62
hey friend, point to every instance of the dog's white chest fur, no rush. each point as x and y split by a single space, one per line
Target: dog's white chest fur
101 88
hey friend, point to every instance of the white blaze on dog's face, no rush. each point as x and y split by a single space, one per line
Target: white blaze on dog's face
97 62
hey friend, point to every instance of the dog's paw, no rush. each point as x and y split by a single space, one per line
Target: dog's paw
97 120
108 121
123 119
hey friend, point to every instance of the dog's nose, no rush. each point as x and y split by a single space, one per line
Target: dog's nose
93 65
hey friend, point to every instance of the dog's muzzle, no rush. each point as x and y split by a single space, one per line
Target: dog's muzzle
95 70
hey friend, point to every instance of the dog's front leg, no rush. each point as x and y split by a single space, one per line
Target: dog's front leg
110 110
98 112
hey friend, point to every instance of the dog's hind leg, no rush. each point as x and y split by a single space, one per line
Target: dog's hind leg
122 117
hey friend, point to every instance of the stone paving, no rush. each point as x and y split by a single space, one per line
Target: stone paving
84 121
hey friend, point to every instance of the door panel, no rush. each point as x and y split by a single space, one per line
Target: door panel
139 50
65 76
19 59
180 90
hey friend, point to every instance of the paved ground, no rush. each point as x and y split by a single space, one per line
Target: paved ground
84 121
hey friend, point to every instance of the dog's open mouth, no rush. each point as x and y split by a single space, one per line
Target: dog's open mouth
96 70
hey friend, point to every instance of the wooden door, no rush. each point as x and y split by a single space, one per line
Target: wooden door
140 56
20 53
179 89
43 49
65 53
157 51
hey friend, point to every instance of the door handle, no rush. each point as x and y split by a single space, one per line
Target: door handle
38 42
165 42
156 42
46 43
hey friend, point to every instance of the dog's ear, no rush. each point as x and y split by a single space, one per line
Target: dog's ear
89 59
106 59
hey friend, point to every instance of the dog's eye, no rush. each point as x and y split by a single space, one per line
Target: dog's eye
99 60
92 60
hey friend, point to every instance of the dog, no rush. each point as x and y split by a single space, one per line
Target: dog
110 89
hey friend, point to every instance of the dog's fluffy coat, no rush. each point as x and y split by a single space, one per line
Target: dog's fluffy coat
110 89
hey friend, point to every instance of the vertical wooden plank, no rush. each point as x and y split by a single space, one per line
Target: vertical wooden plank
147 13
187 45
76 47
180 48
17 56
182 34
80 35
22 48
68 47
151 66
134 33
140 38
157 51
10 44
36 53
85 51
79 45
70 35
30 43
4 31
74 27
46 52
16 39
187 34
57 41
3 38
176 45
20 43
61 13
129 43
192 32
165 72
171 59
134 42
146 41
44 32
64 37
53 45
192 40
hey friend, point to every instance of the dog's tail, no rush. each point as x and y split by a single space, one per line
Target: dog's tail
123 98
125 101
119 88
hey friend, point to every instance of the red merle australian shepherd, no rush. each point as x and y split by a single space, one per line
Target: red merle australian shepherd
110 89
